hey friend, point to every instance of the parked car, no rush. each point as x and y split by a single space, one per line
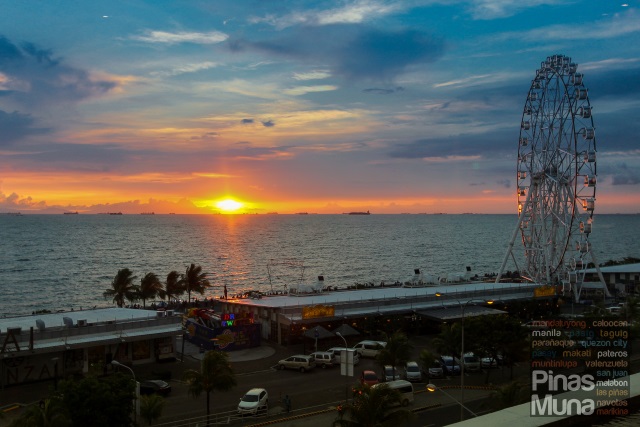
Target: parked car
616 309
391 373
412 371
488 362
369 348
450 365
491 362
471 362
155 387
324 359
301 362
254 401
369 378
435 369
353 354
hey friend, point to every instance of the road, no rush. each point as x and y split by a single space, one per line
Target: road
304 389
315 390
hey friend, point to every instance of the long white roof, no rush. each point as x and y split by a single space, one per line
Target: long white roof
51 320
377 294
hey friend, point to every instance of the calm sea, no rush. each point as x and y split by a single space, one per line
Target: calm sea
59 262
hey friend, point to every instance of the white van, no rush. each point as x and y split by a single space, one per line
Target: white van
324 359
353 355
404 387
369 348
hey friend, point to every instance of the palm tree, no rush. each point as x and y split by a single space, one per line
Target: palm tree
372 407
49 413
150 287
396 352
215 374
151 407
194 280
122 288
173 288
427 360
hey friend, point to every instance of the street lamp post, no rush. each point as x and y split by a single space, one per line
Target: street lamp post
462 309
55 372
346 368
433 387
136 406
184 337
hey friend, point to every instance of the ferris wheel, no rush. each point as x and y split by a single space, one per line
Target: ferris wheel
556 175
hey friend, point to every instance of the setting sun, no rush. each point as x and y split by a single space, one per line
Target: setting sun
228 205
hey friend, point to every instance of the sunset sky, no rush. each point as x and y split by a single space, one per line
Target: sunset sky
288 106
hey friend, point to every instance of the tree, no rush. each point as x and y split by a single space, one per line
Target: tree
97 402
122 288
497 335
173 288
151 407
508 395
194 280
47 413
150 287
215 374
449 340
428 360
373 407
396 352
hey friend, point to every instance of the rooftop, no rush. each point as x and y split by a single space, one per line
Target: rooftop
52 320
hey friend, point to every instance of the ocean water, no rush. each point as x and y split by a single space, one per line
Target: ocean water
59 262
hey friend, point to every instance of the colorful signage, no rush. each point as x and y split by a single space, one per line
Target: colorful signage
313 312
544 291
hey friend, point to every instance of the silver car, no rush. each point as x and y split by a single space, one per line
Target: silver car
324 359
435 370
412 372
254 401
301 362
471 362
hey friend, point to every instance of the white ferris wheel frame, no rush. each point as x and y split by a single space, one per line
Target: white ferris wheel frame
556 176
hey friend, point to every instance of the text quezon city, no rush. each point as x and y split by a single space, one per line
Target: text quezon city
580 367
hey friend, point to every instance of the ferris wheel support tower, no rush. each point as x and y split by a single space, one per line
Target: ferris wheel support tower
556 180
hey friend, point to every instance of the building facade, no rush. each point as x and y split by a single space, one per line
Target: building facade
57 345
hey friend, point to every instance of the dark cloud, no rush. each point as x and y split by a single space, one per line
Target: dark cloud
354 52
504 183
205 136
74 157
245 150
268 123
383 91
40 55
622 82
487 145
625 176
39 80
246 121
15 126
8 51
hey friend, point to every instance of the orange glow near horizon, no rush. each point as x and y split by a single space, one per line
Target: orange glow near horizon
181 193
229 205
